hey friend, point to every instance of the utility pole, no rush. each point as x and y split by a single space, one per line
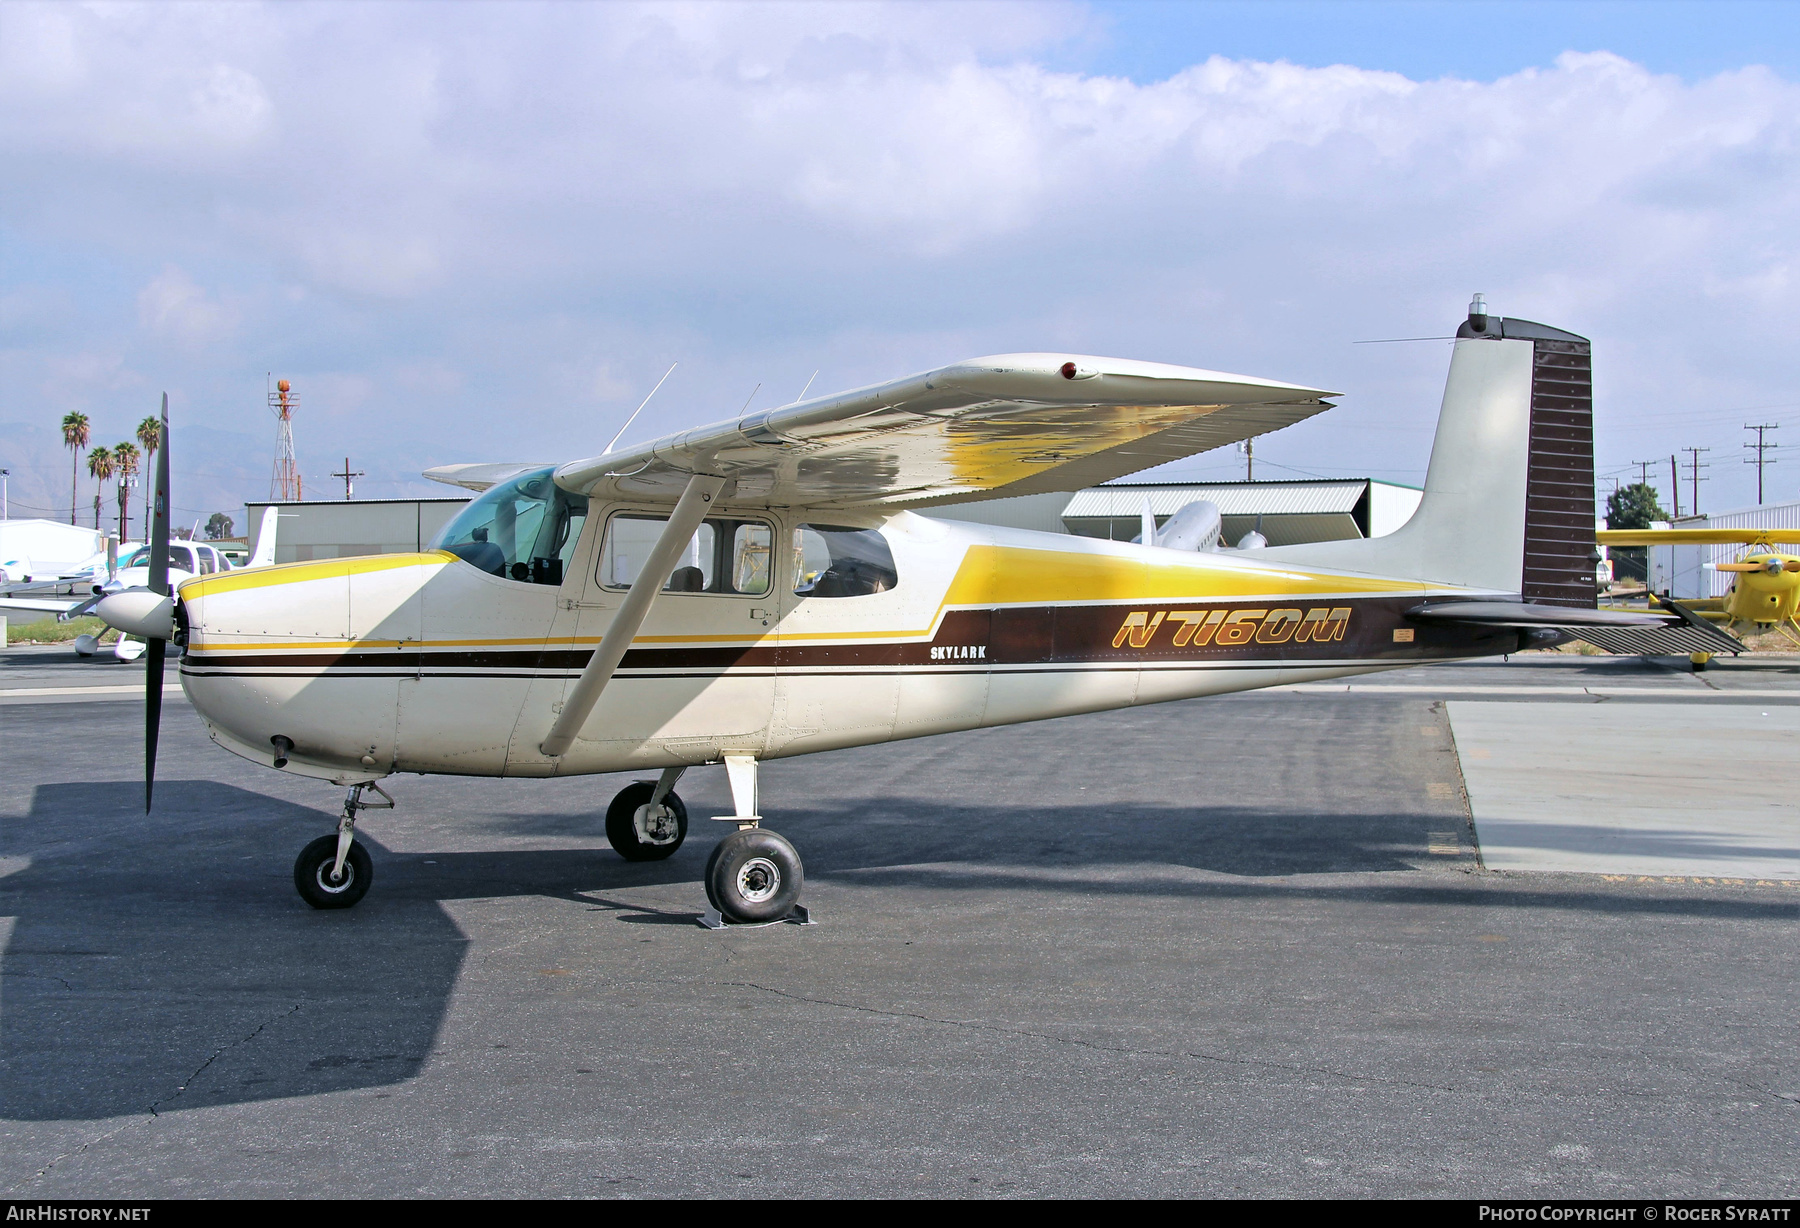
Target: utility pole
5 509
1695 465
348 477
1760 447
1643 471
1250 459
1675 485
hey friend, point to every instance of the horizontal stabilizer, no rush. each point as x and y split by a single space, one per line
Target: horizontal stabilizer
1674 639
1529 614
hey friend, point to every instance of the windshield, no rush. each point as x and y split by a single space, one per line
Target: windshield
179 558
525 529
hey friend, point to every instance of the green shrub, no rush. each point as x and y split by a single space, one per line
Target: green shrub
47 630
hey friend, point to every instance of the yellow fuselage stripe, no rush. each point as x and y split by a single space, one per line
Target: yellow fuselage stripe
989 576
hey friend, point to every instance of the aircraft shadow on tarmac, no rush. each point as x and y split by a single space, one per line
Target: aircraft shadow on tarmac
170 964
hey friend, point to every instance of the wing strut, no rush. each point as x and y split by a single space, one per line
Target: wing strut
684 522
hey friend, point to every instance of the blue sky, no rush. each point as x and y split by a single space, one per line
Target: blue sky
1148 40
482 232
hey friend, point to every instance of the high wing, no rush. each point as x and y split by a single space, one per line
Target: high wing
1696 537
1013 424
477 477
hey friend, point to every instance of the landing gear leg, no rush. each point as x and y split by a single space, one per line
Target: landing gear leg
334 871
754 876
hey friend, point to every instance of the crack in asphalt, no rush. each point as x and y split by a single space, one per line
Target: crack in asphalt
144 1121
1222 1059
220 1052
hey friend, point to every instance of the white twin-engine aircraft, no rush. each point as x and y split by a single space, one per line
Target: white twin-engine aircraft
760 588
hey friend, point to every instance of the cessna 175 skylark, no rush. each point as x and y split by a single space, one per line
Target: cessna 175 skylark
762 588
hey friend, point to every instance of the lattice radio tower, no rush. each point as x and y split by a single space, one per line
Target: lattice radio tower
284 480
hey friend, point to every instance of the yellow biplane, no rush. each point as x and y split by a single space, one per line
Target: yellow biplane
1765 590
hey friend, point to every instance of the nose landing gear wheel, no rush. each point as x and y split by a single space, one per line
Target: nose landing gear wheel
312 874
639 831
754 876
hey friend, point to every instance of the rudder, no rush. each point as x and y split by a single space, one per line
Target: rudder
1508 505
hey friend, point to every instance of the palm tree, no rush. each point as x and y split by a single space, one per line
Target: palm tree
75 438
149 434
125 464
100 467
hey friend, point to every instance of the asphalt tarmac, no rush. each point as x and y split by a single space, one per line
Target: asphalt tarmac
1229 947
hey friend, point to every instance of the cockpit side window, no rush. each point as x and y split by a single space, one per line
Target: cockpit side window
832 561
725 555
525 529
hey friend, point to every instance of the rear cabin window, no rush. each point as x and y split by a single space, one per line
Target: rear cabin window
725 555
832 561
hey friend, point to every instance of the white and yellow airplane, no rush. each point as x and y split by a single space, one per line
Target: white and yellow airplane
761 588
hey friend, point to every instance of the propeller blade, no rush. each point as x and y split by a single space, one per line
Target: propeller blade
153 685
159 584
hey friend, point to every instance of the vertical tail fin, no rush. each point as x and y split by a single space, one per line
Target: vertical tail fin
265 539
1509 496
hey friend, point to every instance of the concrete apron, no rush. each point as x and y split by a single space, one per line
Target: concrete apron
1645 789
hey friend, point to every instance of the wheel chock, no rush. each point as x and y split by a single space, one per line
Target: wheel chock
711 919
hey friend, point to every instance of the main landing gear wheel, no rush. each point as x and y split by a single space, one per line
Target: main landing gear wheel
312 874
640 831
754 876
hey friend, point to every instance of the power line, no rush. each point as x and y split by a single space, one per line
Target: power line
1760 447
1695 465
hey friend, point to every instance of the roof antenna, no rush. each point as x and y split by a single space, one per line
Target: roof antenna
640 408
809 383
750 398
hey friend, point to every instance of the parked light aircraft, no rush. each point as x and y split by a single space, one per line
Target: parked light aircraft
1765 588
80 591
762 588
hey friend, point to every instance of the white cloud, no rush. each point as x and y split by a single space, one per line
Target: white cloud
557 201
174 308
